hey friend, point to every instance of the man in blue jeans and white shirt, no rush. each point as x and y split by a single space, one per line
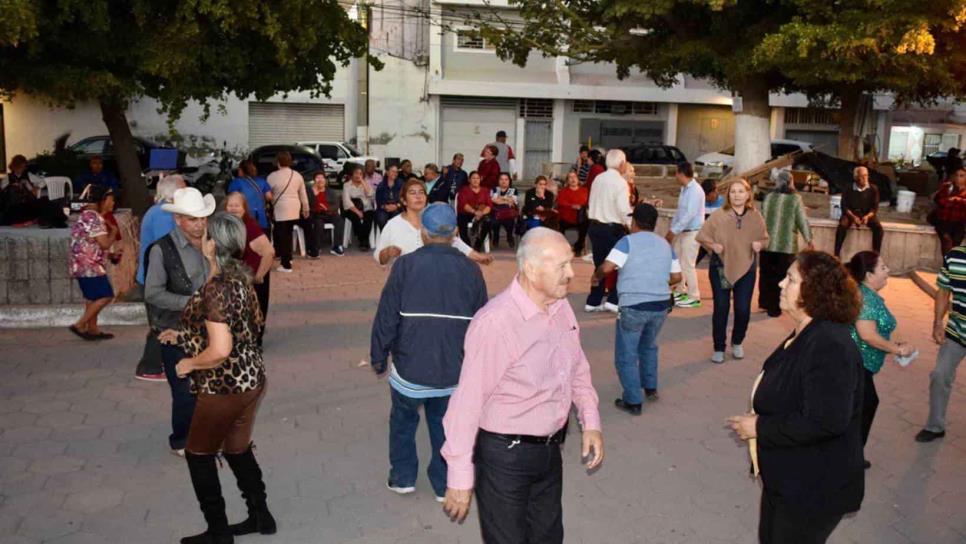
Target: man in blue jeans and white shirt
424 310
648 268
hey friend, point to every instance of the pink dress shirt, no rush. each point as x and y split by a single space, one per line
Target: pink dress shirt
522 370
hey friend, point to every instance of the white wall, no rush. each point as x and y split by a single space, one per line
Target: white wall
403 118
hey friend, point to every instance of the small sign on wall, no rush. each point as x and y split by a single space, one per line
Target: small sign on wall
736 104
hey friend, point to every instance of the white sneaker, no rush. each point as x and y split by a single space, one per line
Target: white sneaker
440 499
283 269
593 309
612 308
400 490
718 357
178 452
737 351
588 258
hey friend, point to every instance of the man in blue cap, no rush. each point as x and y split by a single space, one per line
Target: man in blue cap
425 308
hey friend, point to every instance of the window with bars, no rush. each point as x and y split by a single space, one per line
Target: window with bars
810 116
531 108
614 107
469 39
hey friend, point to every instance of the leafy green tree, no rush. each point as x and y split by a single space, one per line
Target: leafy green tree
842 53
713 39
176 51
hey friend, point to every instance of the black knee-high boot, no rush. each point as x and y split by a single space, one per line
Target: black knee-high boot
204 478
252 487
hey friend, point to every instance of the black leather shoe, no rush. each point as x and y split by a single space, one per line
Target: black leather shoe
929 436
651 395
866 464
632 409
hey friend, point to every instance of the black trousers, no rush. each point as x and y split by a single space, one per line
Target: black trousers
581 228
315 231
518 491
480 232
506 224
870 402
603 237
781 524
361 226
283 241
843 229
774 266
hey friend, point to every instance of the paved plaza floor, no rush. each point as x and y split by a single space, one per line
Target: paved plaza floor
83 456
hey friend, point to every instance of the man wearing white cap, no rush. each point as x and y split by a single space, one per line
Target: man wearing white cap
176 268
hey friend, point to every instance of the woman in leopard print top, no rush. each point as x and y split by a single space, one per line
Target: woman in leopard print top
219 333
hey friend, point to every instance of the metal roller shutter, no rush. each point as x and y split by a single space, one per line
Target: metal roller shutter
287 123
471 123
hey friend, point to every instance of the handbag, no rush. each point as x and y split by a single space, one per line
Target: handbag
718 265
505 213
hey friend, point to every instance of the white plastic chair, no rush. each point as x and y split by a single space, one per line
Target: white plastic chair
59 187
347 234
298 240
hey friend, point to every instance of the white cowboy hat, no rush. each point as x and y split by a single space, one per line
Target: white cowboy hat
188 201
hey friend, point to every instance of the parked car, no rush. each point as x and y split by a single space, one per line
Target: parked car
653 154
102 145
305 160
335 155
721 162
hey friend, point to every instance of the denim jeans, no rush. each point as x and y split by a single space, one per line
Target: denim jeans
635 351
403 421
742 289
182 401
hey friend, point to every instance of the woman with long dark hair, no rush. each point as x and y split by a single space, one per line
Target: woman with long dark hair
219 334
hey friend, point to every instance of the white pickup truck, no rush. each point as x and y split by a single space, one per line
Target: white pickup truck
335 155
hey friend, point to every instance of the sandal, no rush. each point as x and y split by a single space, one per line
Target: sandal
81 333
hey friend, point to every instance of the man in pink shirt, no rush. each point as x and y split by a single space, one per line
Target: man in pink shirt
523 368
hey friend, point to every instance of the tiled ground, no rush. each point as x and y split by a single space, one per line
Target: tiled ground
83 456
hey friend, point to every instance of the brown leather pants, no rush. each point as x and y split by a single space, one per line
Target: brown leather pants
223 422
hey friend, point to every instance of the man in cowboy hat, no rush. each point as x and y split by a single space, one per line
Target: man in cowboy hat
176 268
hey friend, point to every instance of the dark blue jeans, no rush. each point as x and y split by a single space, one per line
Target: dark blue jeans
742 291
182 401
635 351
603 237
403 421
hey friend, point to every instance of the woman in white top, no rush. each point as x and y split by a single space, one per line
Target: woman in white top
401 235
506 210
290 203
359 206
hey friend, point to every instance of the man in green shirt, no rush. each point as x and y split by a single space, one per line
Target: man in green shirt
952 337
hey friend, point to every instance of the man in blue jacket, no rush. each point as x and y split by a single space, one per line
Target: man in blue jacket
425 308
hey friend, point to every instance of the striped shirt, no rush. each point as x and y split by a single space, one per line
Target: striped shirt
952 277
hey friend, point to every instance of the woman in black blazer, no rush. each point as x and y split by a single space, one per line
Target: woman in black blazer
807 405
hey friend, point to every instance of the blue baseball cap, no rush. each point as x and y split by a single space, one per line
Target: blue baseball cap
439 219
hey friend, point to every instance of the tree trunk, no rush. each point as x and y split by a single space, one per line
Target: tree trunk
134 191
752 128
850 99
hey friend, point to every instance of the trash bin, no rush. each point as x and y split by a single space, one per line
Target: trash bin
835 207
905 201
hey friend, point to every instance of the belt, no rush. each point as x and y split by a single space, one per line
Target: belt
556 438
596 222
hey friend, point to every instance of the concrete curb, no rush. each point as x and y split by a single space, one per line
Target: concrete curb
64 315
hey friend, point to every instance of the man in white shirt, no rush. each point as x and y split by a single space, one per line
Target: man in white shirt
608 210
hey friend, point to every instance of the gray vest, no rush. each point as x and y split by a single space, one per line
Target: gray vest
178 283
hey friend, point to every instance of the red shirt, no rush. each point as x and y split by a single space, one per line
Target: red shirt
320 204
567 198
489 171
595 170
951 207
252 232
478 200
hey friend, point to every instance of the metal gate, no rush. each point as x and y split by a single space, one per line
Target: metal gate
538 144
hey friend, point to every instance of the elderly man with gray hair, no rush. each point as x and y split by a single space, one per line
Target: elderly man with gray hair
523 370
156 223
608 210
425 308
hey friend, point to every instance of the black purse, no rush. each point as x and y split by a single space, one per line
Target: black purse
718 265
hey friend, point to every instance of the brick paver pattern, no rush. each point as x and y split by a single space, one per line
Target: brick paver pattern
83 455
